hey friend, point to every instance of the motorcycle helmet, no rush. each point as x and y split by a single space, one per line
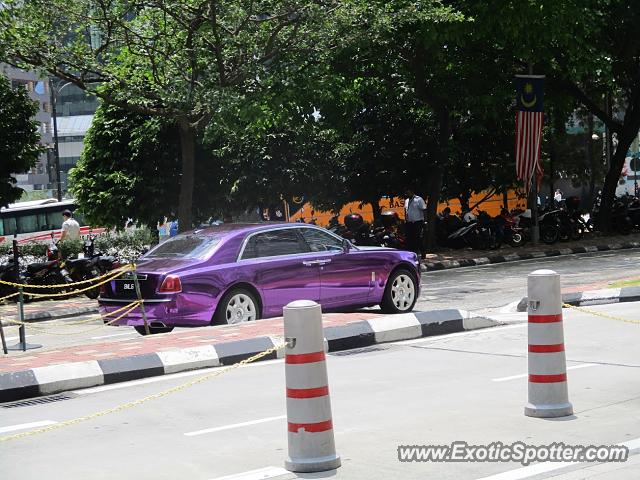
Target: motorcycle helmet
353 221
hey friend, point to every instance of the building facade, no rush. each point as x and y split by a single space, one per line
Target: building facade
38 177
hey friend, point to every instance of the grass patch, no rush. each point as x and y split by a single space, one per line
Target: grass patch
626 283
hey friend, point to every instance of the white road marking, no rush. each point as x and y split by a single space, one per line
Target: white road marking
259 474
234 425
24 426
540 468
114 335
525 375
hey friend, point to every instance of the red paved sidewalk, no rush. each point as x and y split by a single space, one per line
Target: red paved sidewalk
182 338
49 309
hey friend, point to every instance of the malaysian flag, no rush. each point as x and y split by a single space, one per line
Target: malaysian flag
529 121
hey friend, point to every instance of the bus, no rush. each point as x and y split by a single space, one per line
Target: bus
36 220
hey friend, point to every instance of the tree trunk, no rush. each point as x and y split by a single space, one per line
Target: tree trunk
375 208
591 161
185 202
435 186
464 202
627 134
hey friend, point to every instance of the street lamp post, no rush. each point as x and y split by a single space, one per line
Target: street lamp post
56 152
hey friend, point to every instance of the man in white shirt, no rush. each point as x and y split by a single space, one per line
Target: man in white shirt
414 207
70 228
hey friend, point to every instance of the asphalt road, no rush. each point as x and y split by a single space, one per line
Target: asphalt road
490 287
486 289
469 387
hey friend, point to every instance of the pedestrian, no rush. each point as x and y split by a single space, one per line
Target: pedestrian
173 228
414 207
163 230
70 227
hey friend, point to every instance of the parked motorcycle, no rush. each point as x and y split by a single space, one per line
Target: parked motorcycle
358 231
50 272
104 263
8 274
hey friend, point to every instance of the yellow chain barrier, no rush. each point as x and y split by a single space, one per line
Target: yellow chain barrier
9 296
599 314
44 330
140 401
71 293
115 272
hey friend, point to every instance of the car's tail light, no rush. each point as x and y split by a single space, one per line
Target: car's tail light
171 284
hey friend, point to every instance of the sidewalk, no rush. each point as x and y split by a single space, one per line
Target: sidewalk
593 242
49 309
32 373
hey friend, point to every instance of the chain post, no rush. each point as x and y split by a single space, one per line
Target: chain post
139 295
4 340
22 331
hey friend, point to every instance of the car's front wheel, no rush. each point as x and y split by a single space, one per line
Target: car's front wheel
401 293
237 306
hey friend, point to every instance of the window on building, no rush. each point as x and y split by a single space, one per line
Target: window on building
38 87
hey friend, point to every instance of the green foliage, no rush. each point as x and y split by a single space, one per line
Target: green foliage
130 168
19 148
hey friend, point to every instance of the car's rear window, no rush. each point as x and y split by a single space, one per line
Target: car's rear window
185 246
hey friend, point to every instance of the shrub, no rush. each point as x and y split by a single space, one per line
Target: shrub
125 246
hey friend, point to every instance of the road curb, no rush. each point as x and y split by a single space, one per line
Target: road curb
594 297
556 252
71 376
42 316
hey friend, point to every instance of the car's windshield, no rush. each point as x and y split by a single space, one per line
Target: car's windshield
185 246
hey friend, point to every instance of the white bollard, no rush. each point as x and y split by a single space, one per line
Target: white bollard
310 426
548 393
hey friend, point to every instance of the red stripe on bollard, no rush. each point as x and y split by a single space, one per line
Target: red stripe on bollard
311 427
304 357
548 378
307 392
559 347
545 318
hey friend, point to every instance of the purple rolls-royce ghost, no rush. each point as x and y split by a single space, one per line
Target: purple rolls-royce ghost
240 272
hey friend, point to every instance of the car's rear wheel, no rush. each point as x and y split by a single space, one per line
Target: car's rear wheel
152 330
238 305
400 295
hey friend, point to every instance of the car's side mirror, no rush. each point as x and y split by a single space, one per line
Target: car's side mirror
346 245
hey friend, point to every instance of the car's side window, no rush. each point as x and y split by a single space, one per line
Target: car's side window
274 243
320 241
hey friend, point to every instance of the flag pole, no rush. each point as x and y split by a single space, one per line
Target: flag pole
533 205
535 228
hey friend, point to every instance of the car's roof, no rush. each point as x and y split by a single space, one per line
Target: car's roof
243 227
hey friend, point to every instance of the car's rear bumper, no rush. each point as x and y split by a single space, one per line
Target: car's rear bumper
175 311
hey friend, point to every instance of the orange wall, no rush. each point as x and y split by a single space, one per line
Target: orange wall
492 206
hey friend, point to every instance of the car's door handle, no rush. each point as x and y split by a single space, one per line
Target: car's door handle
310 263
323 262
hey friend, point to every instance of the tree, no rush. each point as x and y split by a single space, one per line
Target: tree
180 60
130 168
19 147
588 50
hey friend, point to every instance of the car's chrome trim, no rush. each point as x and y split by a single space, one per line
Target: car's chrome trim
286 227
129 300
